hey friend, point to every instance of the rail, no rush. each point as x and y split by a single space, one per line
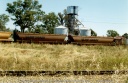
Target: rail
53 73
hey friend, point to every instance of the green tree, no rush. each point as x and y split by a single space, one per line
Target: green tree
40 29
61 18
3 20
112 33
25 13
2 27
125 35
50 21
93 33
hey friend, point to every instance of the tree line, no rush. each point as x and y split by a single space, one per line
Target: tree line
28 15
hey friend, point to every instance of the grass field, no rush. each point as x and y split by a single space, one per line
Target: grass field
62 57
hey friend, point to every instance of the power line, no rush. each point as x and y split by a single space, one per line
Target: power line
104 22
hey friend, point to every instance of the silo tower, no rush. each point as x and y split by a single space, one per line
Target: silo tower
72 12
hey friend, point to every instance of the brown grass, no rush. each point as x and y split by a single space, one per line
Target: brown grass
62 57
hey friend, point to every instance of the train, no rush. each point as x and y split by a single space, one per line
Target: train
19 37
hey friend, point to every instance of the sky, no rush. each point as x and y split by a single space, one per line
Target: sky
99 15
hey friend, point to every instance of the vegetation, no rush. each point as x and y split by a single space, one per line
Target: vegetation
62 57
125 35
28 14
3 20
50 21
93 33
112 33
25 13
61 18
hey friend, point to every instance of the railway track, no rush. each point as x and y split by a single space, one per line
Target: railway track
54 73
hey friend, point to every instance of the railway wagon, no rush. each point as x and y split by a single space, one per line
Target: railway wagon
39 38
64 39
6 37
92 40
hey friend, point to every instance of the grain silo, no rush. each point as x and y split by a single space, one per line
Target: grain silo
84 31
61 30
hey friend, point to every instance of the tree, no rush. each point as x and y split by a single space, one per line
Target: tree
112 33
50 21
25 13
93 33
125 35
3 20
61 18
40 29
2 27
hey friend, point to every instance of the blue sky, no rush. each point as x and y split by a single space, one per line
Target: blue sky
99 15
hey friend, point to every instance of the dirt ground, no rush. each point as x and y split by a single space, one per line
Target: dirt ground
67 79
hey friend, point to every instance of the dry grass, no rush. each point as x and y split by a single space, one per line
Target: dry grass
62 57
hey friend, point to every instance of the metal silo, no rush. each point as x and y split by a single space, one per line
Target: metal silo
85 32
73 10
61 30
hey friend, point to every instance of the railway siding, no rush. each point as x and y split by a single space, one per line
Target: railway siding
53 73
